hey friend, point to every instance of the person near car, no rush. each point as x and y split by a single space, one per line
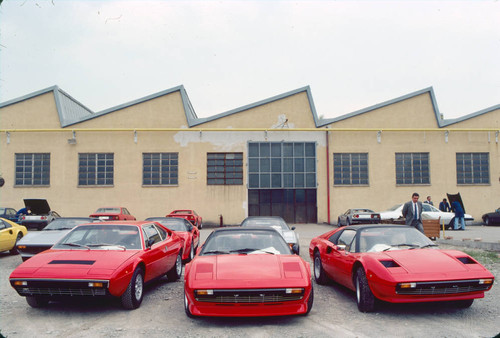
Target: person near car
444 206
459 215
412 212
23 211
428 201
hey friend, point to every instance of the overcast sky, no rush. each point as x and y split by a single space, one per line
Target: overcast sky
227 54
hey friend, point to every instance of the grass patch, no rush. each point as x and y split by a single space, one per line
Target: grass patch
483 257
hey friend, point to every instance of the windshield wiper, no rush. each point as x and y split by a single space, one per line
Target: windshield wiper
412 246
77 245
215 252
106 244
428 245
245 250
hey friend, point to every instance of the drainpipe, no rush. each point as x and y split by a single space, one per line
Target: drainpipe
328 177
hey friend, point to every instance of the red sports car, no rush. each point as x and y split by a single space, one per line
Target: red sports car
113 214
396 264
189 233
247 272
190 215
101 259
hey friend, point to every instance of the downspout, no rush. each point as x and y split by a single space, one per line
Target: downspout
328 176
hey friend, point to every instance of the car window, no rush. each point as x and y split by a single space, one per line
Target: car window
101 237
61 224
4 225
125 211
188 225
163 233
426 207
151 232
346 238
245 242
11 212
334 238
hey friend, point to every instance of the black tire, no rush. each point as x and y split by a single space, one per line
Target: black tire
14 250
176 271
191 253
487 220
201 226
463 304
37 301
319 273
132 297
451 225
310 301
186 307
364 296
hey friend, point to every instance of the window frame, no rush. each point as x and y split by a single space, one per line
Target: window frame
343 174
29 173
97 169
221 176
483 179
168 164
403 177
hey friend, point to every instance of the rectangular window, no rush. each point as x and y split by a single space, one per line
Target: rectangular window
95 169
278 165
224 168
32 169
473 168
160 169
350 168
412 168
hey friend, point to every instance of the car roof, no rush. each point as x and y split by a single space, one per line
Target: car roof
246 229
371 226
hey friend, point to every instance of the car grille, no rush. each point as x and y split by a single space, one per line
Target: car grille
249 296
60 288
444 288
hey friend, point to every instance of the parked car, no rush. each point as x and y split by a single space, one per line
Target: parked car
397 264
247 272
492 218
101 259
9 213
428 212
279 224
187 231
36 242
40 215
10 234
358 216
190 215
113 214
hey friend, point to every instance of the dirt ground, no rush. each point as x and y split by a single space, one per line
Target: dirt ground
162 314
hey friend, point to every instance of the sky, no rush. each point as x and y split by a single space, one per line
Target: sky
227 54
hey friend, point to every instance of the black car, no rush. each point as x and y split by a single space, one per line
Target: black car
492 218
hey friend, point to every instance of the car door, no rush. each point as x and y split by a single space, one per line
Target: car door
335 255
344 259
195 233
10 214
7 236
156 257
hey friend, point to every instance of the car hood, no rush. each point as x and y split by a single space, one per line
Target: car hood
37 206
44 237
73 264
416 261
245 270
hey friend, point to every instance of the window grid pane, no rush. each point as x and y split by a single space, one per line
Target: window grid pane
160 169
279 165
227 168
32 169
473 168
95 169
350 168
412 168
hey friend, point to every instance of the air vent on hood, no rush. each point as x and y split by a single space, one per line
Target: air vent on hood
390 264
72 262
466 260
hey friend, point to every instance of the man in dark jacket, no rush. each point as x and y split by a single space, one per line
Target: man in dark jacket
444 206
412 212
459 215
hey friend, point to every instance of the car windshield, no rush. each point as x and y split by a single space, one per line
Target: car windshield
174 224
354 211
245 242
2 210
265 222
394 207
108 210
101 237
63 224
392 238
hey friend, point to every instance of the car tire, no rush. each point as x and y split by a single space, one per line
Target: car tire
201 226
191 253
133 295
319 273
310 301
487 220
364 295
37 301
14 250
451 225
463 304
176 271
186 306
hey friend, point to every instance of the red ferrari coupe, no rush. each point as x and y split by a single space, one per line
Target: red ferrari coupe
189 233
113 214
396 264
190 215
247 272
101 259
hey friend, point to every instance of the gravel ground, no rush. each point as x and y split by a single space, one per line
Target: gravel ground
162 314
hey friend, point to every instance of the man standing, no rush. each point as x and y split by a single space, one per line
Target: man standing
412 212
428 201
459 215
444 206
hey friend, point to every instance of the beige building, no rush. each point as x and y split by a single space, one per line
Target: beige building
275 156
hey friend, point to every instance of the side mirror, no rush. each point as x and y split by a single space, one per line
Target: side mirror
293 228
295 249
341 247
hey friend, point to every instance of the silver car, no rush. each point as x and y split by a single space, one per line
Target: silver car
358 216
279 224
40 214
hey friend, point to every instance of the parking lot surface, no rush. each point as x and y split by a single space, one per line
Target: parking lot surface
161 314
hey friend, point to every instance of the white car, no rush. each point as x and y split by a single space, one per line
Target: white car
278 224
428 212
